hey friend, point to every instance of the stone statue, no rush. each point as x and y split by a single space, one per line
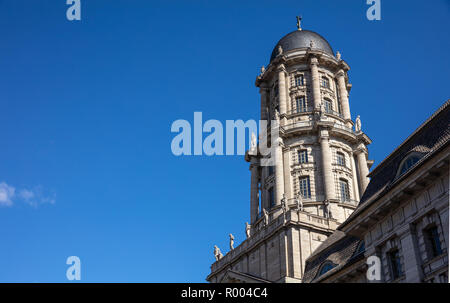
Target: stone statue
277 115
327 209
358 124
266 217
253 142
338 55
231 242
280 50
247 229
311 44
299 201
217 253
263 70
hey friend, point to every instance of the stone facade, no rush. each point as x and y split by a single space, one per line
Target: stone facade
402 218
318 156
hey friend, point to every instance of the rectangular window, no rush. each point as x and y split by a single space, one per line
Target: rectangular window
325 82
340 159
300 103
303 156
271 197
433 242
345 193
271 170
328 106
396 265
305 187
299 80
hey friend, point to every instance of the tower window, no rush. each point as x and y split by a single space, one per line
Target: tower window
270 170
396 264
305 187
300 104
271 197
275 89
344 191
325 82
328 106
303 156
433 242
340 159
299 80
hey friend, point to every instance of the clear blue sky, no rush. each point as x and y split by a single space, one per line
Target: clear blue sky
86 110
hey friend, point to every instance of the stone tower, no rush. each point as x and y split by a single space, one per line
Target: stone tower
321 163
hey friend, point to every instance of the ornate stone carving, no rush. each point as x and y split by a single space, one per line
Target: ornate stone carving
247 229
299 201
217 254
280 50
266 217
358 124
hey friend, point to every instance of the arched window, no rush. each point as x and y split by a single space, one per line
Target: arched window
326 267
344 191
408 162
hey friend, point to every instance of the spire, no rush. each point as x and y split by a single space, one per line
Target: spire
299 20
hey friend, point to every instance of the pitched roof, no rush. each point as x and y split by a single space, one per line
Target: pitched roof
339 248
426 139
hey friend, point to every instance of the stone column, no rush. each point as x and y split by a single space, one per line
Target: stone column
282 89
315 82
343 95
326 166
363 170
411 258
254 203
279 173
263 90
287 174
355 178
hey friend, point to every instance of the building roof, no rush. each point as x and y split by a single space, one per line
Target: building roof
426 139
301 39
338 249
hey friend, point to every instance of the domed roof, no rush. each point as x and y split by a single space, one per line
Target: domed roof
302 39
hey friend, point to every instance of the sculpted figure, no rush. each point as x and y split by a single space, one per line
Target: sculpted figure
263 69
299 202
231 242
253 143
338 55
266 217
327 209
280 50
247 229
217 253
358 124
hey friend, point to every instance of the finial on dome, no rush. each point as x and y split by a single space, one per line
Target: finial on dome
299 20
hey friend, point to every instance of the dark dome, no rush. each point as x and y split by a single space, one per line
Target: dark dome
302 39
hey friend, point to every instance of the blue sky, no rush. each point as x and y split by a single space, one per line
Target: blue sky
86 110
